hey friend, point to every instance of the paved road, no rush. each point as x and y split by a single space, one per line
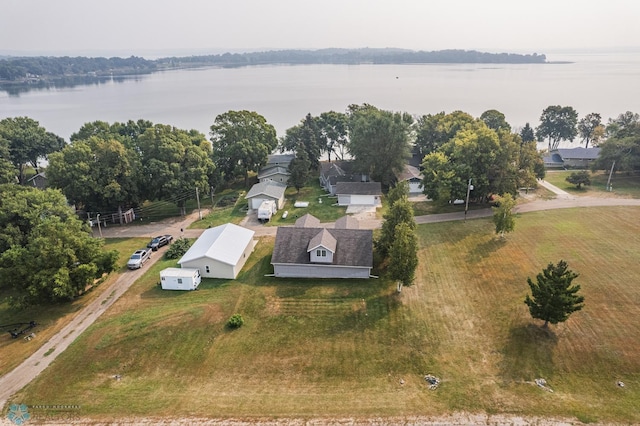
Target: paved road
36 363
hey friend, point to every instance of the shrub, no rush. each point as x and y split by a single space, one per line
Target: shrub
178 248
235 321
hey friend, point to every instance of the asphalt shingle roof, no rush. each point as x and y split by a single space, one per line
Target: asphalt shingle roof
354 247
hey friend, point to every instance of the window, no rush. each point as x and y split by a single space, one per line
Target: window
321 253
179 280
207 268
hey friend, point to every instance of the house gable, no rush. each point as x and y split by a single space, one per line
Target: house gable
322 247
352 258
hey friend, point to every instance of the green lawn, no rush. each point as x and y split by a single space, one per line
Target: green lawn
229 206
52 318
625 185
340 348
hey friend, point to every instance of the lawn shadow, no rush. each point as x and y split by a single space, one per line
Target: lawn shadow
486 249
528 353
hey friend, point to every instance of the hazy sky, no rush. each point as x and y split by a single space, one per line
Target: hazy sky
139 27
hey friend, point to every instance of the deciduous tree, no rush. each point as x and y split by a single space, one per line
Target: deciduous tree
96 174
435 130
503 217
379 141
173 165
46 252
579 178
587 128
557 123
554 296
333 131
403 256
495 120
28 142
305 135
241 140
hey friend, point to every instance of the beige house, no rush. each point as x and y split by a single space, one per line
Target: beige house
220 252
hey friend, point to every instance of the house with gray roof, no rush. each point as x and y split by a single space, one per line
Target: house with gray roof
359 193
274 173
307 221
413 177
338 171
282 160
571 158
265 191
304 252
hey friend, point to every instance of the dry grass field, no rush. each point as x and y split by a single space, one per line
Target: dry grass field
356 349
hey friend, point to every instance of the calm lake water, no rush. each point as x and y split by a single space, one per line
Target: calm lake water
191 99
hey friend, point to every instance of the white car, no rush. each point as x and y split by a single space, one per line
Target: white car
138 258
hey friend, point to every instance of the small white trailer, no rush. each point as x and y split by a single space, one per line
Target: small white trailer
266 210
180 279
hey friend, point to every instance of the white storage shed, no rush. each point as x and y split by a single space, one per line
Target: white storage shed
180 279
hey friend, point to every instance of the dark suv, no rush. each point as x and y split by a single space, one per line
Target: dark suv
159 241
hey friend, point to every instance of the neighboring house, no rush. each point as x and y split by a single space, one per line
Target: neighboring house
347 222
314 252
571 158
307 221
359 193
274 173
412 175
264 191
282 160
220 252
338 171
39 181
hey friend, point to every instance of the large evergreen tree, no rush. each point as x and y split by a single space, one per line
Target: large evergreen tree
553 296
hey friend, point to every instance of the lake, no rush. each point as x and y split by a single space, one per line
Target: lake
283 94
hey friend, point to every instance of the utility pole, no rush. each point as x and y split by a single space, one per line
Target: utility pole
610 173
198 199
466 205
99 228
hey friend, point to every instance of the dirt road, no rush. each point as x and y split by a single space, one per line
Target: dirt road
16 379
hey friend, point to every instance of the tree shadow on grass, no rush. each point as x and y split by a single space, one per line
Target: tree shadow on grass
528 353
485 249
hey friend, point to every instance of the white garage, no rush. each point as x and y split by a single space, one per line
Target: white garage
220 252
358 193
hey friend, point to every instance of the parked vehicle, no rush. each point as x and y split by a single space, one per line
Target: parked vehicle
266 210
159 241
138 258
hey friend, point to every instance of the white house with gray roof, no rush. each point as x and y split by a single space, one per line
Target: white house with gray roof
274 173
220 252
264 191
359 193
315 252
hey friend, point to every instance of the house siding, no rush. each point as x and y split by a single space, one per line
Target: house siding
219 269
319 271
